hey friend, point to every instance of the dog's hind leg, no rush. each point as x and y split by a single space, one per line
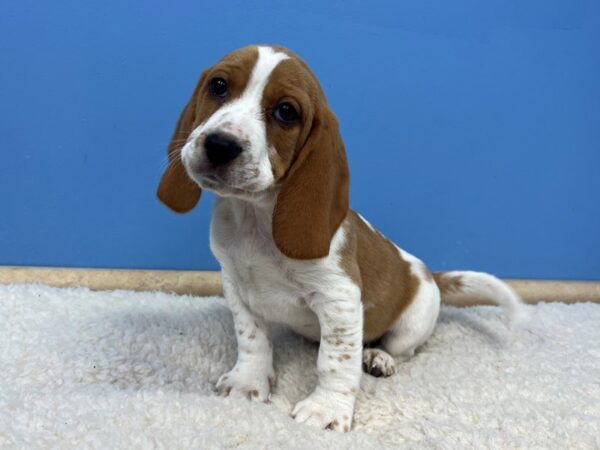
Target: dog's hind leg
416 323
411 330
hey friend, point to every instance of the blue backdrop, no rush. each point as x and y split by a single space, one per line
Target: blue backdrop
472 128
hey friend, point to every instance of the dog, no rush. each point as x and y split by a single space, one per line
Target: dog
259 133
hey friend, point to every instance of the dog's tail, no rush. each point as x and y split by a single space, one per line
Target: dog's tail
466 288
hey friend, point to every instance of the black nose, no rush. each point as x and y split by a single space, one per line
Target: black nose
221 148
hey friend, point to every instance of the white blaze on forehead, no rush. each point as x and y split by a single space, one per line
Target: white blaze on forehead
241 116
267 60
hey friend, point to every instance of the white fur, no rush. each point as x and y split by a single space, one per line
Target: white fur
253 374
315 298
417 322
478 285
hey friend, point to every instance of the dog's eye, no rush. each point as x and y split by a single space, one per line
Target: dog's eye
218 87
286 113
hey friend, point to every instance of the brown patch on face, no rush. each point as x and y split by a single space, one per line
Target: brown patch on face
291 81
176 190
309 165
235 68
385 279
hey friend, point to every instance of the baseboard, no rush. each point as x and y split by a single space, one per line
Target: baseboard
178 281
209 283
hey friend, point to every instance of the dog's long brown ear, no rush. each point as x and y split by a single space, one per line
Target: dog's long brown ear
313 200
176 190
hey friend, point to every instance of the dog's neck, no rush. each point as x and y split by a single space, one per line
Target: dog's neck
256 211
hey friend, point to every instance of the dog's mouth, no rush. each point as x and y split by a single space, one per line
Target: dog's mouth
226 181
211 178
215 183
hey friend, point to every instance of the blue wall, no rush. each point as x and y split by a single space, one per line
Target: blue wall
473 128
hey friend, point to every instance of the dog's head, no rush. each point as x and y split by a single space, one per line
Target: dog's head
258 122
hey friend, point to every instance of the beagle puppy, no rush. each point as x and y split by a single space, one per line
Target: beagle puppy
259 133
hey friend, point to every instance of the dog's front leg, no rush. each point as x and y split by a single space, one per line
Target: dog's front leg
253 374
331 405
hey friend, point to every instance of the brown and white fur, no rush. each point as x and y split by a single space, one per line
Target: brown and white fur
291 250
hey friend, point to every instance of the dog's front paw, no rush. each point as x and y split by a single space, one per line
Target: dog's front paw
326 409
246 382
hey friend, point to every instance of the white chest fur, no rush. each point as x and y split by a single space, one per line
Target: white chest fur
273 286
316 298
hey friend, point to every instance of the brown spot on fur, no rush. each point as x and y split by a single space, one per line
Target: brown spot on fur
346 428
252 394
253 335
346 356
385 278
448 283
333 425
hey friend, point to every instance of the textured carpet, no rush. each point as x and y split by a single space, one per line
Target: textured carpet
82 369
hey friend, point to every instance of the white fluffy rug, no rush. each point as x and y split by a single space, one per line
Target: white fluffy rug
82 369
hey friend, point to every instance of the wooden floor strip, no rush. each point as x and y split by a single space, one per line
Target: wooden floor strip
209 283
